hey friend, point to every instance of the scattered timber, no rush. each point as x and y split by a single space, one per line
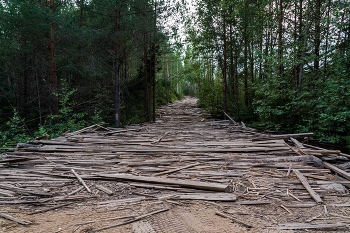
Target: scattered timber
185 157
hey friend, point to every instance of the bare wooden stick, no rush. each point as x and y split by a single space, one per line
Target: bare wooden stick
233 219
286 209
232 121
175 170
76 191
289 169
81 180
307 186
129 221
325 210
104 189
9 217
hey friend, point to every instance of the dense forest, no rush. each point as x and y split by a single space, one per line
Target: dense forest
67 64
282 65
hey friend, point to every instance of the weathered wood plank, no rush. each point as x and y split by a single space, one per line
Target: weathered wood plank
307 186
181 183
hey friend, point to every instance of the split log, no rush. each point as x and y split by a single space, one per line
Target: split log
182 183
307 186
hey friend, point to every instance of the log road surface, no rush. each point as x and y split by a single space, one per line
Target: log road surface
184 173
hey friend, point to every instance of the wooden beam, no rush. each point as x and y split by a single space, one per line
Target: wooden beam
307 186
182 183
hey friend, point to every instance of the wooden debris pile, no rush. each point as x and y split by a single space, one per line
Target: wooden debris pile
183 156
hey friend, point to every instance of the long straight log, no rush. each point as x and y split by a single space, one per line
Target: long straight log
307 186
337 170
182 183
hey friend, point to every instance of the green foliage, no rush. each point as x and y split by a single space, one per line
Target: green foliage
13 131
66 120
210 97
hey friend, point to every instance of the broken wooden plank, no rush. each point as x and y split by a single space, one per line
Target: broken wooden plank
9 217
207 196
337 170
81 180
175 170
307 186
181 183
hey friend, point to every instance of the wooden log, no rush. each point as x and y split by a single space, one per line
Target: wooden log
9 217
81 180
182 183
307 186
337 170
175 170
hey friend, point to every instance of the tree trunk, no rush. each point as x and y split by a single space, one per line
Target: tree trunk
224 68
280 38
117 70
317 35
53 66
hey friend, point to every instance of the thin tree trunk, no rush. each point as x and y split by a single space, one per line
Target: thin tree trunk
224 69
53 66
280 37
317 34
117 71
